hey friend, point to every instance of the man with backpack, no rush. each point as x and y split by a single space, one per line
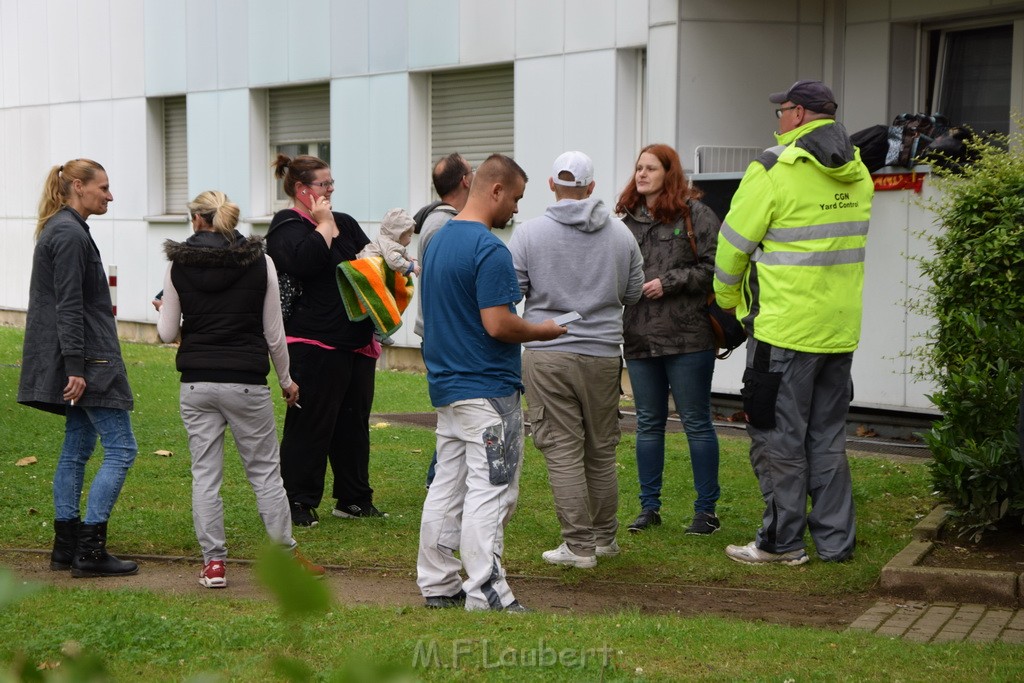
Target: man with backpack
452 177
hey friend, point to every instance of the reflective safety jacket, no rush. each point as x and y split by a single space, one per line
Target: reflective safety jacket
791 250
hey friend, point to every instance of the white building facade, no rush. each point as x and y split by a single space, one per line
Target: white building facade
175 97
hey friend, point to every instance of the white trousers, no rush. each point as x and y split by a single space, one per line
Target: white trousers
472 498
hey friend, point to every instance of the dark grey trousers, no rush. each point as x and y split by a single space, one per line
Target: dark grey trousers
796 405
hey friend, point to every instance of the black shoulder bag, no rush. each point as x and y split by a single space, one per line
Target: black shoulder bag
728 331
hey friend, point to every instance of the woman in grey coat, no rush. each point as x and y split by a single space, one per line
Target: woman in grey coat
71 365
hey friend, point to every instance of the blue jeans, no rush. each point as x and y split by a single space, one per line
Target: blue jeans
82 426
432 469
688 376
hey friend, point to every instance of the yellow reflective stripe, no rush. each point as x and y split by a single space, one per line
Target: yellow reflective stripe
813 258
818 232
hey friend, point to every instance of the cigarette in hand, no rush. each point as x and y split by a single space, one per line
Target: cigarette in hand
298 406
72 401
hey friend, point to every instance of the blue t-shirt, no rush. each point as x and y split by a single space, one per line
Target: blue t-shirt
466 269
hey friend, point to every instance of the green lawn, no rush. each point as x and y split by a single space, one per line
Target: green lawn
157 637
176 637
153 514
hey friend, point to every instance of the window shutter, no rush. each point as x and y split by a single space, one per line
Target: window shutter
175 156
471 113
299 115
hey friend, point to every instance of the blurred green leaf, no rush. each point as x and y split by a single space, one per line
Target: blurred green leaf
13 589
292 670
297 591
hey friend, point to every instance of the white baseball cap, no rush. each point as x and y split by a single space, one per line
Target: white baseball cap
576 163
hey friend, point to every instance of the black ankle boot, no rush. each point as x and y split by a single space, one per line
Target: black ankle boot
65 540
91 557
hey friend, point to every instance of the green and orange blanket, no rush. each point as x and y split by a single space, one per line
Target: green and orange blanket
369 288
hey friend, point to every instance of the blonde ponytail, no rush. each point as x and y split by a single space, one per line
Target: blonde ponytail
57 187
217 210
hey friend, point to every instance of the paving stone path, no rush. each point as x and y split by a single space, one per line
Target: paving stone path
942 622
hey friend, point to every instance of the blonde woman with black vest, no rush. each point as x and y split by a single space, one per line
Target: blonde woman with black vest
221 293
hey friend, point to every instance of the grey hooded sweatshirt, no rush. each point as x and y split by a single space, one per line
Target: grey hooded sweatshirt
578 257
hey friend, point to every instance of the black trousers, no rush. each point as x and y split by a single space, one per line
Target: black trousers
336 395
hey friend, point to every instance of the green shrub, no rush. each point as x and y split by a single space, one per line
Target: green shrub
975 354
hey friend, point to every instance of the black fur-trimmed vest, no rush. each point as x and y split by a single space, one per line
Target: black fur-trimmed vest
221 286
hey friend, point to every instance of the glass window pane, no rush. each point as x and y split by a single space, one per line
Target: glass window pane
317 149
976 78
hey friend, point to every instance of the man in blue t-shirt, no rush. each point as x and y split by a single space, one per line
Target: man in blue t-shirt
471 338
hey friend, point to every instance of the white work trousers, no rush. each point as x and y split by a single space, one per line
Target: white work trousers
472 498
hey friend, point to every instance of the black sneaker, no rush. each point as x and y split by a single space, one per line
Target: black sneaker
647 518
704 524
446 601
356 511
304 515
515 607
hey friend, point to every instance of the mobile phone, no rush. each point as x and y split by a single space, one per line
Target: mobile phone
159 295
308 204
567 318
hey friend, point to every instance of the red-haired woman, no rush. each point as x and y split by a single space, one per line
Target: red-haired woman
669 345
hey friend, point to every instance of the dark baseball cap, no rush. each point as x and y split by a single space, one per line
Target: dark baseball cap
812 95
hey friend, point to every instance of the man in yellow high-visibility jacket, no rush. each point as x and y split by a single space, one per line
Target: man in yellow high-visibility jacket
790 261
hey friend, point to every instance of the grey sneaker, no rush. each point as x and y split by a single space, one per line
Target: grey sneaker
562 555
751 554
644 520
515 606
610 550
704 524
446 601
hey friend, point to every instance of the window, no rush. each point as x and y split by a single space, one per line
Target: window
471 113
175 156
972 76
299 123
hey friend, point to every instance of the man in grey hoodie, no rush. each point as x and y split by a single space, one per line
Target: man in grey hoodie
577 257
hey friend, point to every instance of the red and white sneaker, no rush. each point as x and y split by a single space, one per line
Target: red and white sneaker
212 575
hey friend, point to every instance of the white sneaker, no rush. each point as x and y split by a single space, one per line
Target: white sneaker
610 550
562 555
751 554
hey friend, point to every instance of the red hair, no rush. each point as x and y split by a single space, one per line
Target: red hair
670 205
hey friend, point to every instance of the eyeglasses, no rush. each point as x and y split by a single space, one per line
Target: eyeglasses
326 184
778 112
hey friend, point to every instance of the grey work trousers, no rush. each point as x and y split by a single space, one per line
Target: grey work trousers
573 407
206 409
796 405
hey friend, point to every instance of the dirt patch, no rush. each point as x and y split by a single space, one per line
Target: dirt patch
999 550
396 588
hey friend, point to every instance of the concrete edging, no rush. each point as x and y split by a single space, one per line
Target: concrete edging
903 577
